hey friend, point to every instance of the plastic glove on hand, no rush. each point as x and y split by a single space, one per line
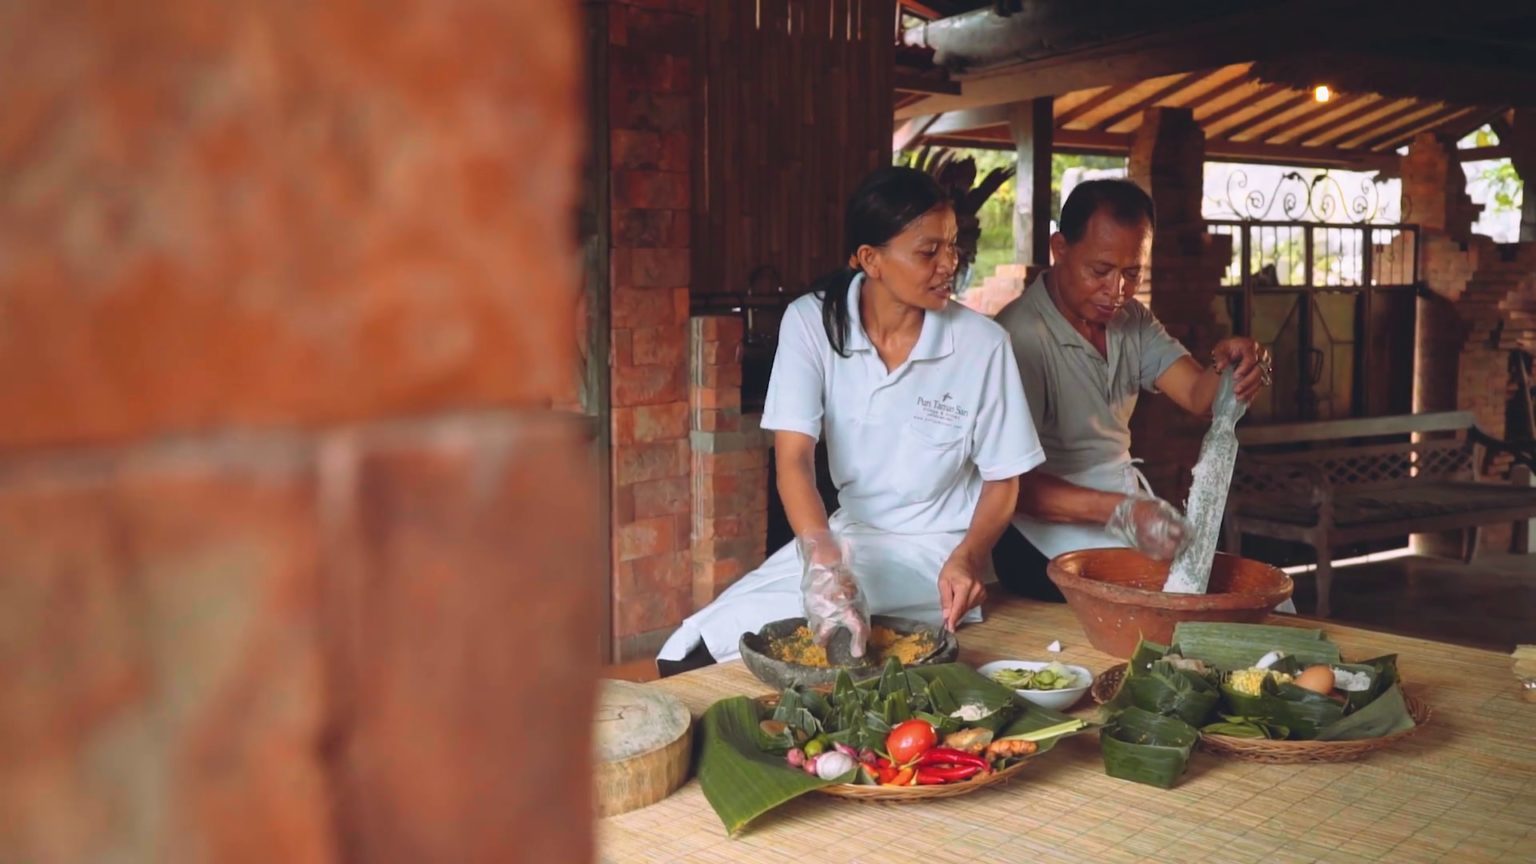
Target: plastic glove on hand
1148 524
831 594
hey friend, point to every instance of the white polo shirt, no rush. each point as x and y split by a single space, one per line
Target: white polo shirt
908 449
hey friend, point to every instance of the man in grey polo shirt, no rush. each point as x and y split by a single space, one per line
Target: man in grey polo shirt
1086 348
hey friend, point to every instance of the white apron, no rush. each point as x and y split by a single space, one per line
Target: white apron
898 573
1056 539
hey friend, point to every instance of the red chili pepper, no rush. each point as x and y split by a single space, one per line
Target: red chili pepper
950 756
937 775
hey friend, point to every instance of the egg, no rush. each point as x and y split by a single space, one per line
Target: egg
1318 679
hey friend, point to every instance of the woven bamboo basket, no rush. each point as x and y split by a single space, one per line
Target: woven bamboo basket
913 794
1107 684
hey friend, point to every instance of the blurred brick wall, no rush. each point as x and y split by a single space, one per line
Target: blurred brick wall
650 120
295 561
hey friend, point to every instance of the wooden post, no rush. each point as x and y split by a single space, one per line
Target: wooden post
1032 123
1522 153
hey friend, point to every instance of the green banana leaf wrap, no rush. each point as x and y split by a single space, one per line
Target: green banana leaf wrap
742 769
1146 747
1153 685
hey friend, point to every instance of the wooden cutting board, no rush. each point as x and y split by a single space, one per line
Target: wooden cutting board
644 741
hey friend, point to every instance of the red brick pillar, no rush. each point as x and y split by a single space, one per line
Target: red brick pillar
1435 188
1168 160
290 539
650 80
729 463
1494 309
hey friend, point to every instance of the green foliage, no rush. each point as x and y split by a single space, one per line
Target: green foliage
995 245
1505 188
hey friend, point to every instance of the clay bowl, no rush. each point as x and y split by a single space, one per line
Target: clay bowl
1117 595
778 673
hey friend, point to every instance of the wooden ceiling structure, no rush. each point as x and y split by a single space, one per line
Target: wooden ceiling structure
1395 70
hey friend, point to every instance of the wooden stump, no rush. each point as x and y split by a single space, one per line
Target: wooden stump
644 740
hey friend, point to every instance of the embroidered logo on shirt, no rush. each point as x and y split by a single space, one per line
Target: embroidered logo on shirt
941 411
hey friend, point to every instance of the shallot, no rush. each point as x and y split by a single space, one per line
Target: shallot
830 766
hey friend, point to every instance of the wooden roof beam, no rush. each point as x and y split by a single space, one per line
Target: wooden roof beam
1268 91
1385 109
1264 119
1150 100
1216 93
1092 103
1407 126
1455 128
907 81
1337 109
1116 144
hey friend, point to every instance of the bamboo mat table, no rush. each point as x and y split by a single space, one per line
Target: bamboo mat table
1462 789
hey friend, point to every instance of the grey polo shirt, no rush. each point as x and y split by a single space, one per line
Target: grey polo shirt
1081 401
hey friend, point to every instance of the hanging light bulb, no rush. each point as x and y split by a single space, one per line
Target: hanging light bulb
1321 93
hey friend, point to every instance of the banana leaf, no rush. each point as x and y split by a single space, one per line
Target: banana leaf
1144 656
966 686
740 781
939 699
1385 714
1245 727
1229 646
1301 711
1033 718
792 710
1146 748
1383 671
1162 689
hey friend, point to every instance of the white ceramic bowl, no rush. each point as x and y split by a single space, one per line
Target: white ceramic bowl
1056 700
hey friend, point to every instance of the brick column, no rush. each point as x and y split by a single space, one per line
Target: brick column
1435 188
650 115
1168 160
1498 309
729 462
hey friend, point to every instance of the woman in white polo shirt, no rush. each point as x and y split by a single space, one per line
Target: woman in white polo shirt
925 421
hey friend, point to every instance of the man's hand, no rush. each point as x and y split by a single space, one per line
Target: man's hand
1149 524
1254 369
960 589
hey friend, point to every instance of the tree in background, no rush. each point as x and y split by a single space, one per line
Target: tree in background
1505 188
985 212
957 174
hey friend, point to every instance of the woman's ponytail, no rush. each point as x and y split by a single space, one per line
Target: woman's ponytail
833 289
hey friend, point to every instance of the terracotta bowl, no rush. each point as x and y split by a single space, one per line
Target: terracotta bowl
1117 595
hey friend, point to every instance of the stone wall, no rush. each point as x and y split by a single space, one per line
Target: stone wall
288 531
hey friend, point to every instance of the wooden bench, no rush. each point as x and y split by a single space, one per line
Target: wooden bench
1333 483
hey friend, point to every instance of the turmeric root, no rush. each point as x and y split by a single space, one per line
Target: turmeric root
1010 749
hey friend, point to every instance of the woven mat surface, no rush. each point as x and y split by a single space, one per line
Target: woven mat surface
1462 789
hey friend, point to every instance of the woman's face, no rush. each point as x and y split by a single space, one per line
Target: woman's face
917 266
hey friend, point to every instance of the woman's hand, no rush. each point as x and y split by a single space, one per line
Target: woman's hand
960 587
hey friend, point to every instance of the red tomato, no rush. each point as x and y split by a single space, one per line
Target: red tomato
910 740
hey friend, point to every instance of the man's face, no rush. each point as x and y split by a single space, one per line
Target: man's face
1097 275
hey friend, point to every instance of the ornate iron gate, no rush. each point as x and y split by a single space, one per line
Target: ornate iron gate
1335 302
